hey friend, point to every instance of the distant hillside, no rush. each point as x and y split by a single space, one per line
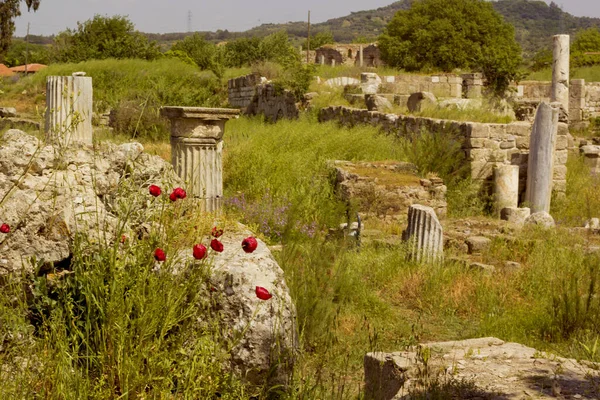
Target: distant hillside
535 22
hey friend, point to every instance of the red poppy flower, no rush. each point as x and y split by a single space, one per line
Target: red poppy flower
4 228
262 293
123 238
249 244
159 255
177 193
154 190
199 251
216 245
216 232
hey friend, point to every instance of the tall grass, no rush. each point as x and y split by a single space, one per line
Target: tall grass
590 74
282 171
111 322
134 89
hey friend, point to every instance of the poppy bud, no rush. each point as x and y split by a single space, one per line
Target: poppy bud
154 190
199 251
4 228
249 244
159 255
216 245
262 293
216 232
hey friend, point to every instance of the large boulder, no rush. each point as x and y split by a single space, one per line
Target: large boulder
267 329
50 194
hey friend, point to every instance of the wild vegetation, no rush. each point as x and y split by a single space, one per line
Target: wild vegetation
102 329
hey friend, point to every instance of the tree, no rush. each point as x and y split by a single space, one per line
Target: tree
19 51
586 41
448 34
320 39
9 10
104 37
203 53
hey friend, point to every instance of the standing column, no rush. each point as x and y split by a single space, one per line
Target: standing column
69 109
540 166
506 187
360 56
197 149
560 71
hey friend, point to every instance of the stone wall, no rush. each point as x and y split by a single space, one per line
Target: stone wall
485 145
446 85
349 54
253 97
273 103
584 100
241 90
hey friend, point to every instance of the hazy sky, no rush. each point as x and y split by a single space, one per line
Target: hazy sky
159 16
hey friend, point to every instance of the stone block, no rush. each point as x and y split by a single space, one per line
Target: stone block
481 169
522 129
515 215
560 172
478 154
559 186
560 157
478 244
477 130
507 145
522 143
563 129
497 131
562 143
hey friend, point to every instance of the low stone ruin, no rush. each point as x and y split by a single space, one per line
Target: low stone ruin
484 368
387 189
255 96
50 194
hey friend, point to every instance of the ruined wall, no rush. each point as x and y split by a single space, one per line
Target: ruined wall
273 102
584 100
371 57
253 97
446 85
485 145
241 90
327 55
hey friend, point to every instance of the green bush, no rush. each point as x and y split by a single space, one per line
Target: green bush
104 37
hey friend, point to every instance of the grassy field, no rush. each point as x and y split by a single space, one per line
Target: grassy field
590 74
349 301
352 302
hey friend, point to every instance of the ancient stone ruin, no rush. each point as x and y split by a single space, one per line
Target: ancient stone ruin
541 158
65 191
254 96
69 109
424 235
486 145
484 368
387 189
197 150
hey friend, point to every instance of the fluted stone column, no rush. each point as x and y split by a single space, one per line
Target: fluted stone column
69 109
540 165
197 149
560 71
506 187
424 235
